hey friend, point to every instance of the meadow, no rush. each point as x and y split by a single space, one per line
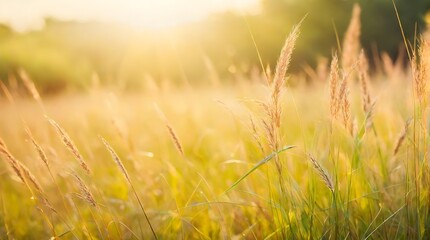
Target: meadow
344 156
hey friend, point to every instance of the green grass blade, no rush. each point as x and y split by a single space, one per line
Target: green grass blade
265 160
391 216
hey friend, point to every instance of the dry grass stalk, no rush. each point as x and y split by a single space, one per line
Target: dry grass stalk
20 169
24 173
402 137
118 161
31 87
29 84
116 158
323 174
420 68
171 131
255 134
273 107
7 93
12 160
280 72
270 129
363 73
86 193
67 141
344 104
351 40
285 58
44 158
30 177
346 112
38 148
175 138
48 204
334 88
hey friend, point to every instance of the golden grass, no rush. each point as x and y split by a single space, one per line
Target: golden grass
420 69
117 160
16 166
364 78
345 105
334 88
121 166
39 149
351 41
172 133
67 141
323 174
219 149
374 184
402 137
86 193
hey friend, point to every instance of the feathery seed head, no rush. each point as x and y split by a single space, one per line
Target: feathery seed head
67 141
351 41
323 174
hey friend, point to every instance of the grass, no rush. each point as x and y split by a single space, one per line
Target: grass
226 166
184 194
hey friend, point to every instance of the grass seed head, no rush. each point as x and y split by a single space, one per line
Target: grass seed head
402 137
363 73
334 88
323 174
30 177
351 41
170 129
39 149
116 158
29 84
420 69
67 141
11 160
86 193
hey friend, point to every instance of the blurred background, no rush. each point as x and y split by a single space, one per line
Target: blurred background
76 44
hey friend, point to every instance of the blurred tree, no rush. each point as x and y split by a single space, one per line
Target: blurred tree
380 28
67 53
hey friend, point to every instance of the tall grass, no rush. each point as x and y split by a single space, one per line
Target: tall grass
344 158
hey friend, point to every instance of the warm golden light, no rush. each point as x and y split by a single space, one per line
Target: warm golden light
24 15
214 119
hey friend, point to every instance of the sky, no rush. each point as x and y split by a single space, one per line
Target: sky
24 15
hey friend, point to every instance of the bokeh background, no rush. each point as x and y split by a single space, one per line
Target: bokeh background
65 45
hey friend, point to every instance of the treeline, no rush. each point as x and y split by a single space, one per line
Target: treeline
64 54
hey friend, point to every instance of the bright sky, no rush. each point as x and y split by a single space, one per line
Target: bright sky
29 14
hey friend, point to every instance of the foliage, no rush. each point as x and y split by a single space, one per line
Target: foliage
223 43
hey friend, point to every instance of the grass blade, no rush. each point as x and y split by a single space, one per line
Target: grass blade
265 160
391 216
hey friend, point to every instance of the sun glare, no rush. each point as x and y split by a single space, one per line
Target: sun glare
23 15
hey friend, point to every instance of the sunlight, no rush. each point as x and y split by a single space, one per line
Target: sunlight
23 15
214 119
165 13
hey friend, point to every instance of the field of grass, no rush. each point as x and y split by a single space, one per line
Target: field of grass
343 158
